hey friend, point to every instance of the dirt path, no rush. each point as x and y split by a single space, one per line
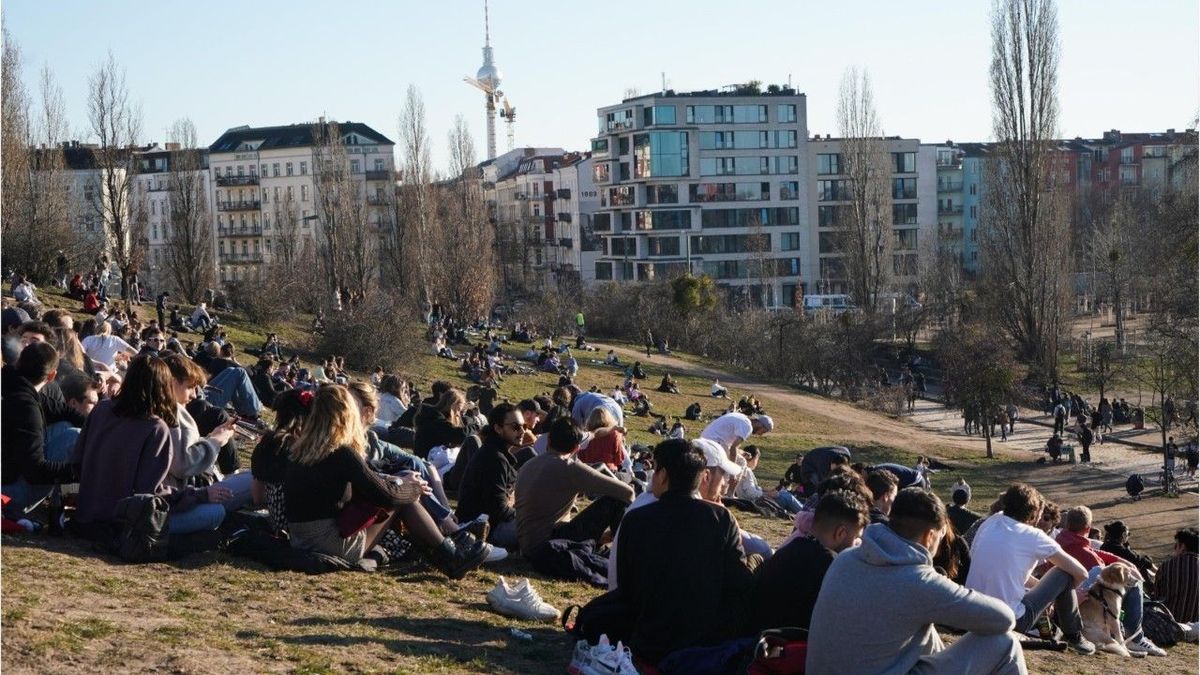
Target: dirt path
1100 484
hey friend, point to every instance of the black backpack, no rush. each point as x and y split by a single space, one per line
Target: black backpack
1159 625
141 529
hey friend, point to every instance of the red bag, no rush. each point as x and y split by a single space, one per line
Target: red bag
780 651
358 516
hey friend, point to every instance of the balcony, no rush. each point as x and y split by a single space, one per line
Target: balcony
160 187
950 210
564 217
235 181
563 193
566 242
377 200
236 258
1128 160
252 231
949 162
243 205
378 174
950 186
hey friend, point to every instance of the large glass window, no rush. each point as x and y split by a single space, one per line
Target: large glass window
906 162
904 188
730 243
904 214
672 219
789 241
789 190
725 269
602 222
622 246
832 191
785 112
725 114
905 240
659 114
750 217
620 196
604 271
827 216
600 172
600 147
621 119
660 153
729 192
829 164
662 246
662 194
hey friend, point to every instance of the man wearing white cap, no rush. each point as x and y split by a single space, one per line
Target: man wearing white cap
719 471
730 429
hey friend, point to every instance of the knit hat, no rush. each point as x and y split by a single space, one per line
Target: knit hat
961 488
765 422
13 317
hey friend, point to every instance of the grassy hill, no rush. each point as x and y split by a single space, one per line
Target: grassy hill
66 609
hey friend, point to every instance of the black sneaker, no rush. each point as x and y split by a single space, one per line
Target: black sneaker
479 527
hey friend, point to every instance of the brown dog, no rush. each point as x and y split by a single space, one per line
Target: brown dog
1101 609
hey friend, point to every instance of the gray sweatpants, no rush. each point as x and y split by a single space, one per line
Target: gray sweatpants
1057 587
976 654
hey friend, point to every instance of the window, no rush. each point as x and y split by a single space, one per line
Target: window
662 194
354 166
620 196
789 241
303 193
827 216
379 165
905 240
832 191
289 193
673 219
789 190
973 186
622 246
730 243
275 169
303 168
829 164
906 162
623 171
240 169
265 197
974 213
264 170
600 149
623 145
660 153
785 112
600 171
765 217
621 119
729 192
904 188
904 214
602 222
659 114
604 271
276 193
289 168
662 246
904 265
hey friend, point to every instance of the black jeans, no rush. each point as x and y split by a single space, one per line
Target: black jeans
590 524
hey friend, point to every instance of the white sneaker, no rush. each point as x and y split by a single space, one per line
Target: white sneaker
581 658
608 660
1191 631
496 554
1141 643
521 601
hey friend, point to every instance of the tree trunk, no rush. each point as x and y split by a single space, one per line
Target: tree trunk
987 437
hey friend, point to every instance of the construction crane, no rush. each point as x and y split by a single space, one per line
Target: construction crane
508 113
487 80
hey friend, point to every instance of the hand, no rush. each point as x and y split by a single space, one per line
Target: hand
528 438
218 494
224 433
414 479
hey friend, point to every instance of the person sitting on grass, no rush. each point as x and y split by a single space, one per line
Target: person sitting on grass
125 449
879 602
269 461
747 486
441 424
667 385
328 461
692 414
884 487
786 586
488 482
607 444
1006 549
104 347
679 568
961 517
1179 577
1116 542
719 473
718 391
546 490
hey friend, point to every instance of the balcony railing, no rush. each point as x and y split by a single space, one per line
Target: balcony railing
950 186
227 181
564 217
162 187
949 161
377 200
380 174
240 257
950 210
252 231
242 205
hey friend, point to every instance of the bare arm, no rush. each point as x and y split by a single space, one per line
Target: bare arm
1063 561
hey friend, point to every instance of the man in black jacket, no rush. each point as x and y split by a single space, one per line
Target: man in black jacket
679 562
489 483
28 474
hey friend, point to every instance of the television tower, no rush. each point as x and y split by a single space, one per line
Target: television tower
487 80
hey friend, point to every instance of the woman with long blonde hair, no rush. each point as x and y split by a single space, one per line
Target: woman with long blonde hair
441 424
338 506
608 440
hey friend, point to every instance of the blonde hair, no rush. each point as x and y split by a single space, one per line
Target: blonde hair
447 403
333 422
103 328
600 417
68 346
364 394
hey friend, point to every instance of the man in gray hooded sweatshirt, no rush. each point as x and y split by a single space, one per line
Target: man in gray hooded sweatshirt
879 602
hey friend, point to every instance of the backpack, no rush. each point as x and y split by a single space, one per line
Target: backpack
1134 485
141 529
1159 625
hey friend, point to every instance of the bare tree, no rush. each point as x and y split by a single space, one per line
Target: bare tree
35 182
865 224
1027 228
463 269
116 123
189 229
345 245
419 212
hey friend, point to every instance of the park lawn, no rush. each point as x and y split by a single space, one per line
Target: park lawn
67 609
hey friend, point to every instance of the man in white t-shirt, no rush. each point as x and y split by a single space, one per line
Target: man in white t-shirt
1004 553
730 429
103 347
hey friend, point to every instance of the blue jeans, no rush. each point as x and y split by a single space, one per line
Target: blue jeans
58 445
752 543
1132 604
789 502
233 385
200 518
239 485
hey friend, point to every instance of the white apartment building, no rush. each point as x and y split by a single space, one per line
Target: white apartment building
576 202
712 182
264 189
86 188
519 189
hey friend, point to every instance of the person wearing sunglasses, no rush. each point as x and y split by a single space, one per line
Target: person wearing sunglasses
488 486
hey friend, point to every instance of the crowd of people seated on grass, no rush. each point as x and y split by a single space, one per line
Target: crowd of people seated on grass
366 473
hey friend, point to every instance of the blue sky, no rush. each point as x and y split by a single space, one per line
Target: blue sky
1126 65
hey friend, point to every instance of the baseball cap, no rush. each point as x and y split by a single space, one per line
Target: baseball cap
13 317
765 422
715 456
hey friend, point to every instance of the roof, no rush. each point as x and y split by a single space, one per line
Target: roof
289 136
743 90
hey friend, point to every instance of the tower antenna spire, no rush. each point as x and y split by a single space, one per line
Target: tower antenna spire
487 36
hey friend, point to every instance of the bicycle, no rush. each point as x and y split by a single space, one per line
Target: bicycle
1167 478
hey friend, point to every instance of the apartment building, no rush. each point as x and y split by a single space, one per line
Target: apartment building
519 189
712 182
263 190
